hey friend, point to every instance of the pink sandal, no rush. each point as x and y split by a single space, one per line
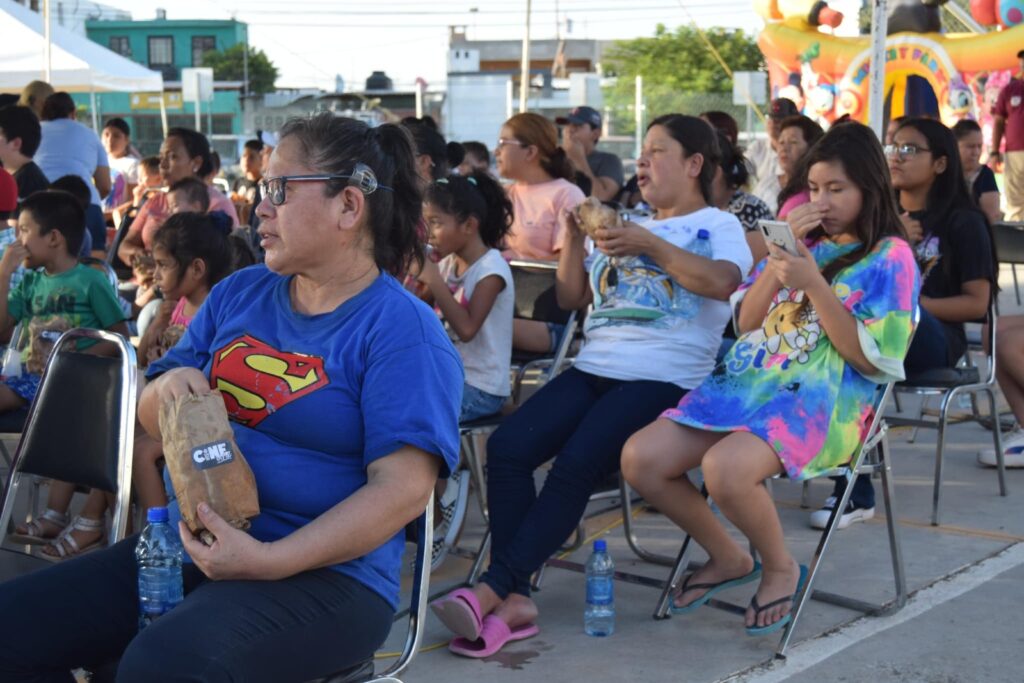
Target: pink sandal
459 611
494 635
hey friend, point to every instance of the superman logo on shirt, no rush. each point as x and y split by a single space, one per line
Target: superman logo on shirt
256 379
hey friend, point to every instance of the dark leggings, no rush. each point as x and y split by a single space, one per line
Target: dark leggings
580 420
84 613
928 351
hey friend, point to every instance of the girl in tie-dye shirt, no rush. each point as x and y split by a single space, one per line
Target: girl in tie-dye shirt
819 331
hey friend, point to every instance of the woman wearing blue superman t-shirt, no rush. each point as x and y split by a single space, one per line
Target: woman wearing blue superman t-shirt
344 395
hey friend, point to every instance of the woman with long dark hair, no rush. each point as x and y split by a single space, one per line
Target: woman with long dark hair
818 332
954 248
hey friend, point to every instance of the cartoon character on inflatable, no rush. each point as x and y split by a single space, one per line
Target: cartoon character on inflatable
831 72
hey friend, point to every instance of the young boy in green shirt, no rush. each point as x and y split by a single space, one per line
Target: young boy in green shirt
51 228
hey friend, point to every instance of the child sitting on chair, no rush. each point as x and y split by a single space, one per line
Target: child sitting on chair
819 331
51 227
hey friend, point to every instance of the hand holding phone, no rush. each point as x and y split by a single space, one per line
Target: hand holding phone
780 234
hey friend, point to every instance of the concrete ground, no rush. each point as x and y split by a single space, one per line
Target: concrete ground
964 633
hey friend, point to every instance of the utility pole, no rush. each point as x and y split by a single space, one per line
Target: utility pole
524 73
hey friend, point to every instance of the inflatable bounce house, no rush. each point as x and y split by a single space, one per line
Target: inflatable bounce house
928 72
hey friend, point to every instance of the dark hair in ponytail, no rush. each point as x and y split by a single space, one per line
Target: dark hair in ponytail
196 145
733 163
696 137
477 195
334 145
533 130
428 140
190 236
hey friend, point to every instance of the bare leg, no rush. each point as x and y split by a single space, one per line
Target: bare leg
734 470
149 485
655 461
531 336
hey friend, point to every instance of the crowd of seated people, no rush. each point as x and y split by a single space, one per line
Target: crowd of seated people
381 256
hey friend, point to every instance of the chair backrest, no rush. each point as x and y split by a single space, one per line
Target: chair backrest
81 424
1009 239
535 292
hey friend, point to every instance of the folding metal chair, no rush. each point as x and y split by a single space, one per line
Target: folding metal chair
948 383
872 456
1009 239
81 425
416 613
535 299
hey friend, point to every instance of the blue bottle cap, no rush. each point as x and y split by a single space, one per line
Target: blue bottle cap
156 515
600 546
703 234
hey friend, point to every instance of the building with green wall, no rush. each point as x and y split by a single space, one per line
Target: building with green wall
168 46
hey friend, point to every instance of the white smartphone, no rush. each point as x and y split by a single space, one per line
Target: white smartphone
780 234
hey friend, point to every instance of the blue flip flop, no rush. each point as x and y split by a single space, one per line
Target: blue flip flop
713 588
772 628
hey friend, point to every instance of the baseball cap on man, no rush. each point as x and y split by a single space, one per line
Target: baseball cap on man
580 116
781 108
8 194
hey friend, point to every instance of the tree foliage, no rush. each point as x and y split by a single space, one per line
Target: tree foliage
228 65
678 69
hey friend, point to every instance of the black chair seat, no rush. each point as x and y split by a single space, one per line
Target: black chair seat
943 378
354 674
482 423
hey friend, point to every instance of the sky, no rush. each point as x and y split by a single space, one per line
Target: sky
312 41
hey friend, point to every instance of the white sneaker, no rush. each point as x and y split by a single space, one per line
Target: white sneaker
1013 451
819 518
453 513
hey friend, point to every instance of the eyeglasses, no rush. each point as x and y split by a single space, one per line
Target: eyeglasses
905 151
361 177
505 142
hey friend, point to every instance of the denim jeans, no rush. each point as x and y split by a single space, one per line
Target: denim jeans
477 403
84 613
580 420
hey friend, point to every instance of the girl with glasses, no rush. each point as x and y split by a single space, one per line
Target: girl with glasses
956 255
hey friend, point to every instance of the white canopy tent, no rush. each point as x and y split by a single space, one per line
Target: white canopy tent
76 63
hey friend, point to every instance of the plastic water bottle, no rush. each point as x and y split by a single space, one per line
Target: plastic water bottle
687 304
599 615
158 554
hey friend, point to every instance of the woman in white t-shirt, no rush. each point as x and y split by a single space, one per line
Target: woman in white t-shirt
467 218
659 312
